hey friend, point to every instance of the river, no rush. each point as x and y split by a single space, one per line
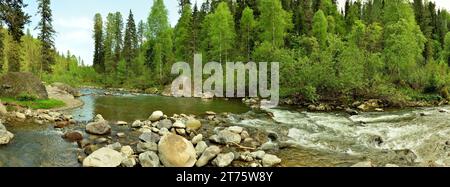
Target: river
410 137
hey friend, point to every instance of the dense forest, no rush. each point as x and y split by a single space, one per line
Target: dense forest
396 50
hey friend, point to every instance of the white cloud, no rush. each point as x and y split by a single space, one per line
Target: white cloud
74 23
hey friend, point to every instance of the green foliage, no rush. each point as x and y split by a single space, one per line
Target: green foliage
33 103
320 27
274 22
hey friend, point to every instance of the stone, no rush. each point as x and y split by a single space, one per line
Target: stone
269 146
20 115
208 155
89 149
226 137
200 148
15 84
223 160
83 143
127 151
270 160
179 124
103 157
236 129
121 135
351 112
166 123
163 131
61 124
98 128
193 124
115 146
181 132
5 136
197 138
73 136
128 162
3 110
143 147
379 110
210 113
67 88
121 123
176 151
246 156
137 124
149 159
244 135
363 164
99 117
101 140
258 154
150 137
156 116
391 166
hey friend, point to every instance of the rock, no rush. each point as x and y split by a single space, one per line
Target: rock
226 137
16 84
127 151
379 110
181 132
269 146
236 129
98 128
200 148
425 114
193 124
270 160
164 124
3 110
197 139
73 136
351 112
163 131
244 135
210 113
176 151
441 110
103 157
90 149
61 124
121 123
246 156
149 146
223 160
101 140
156 116
207 155
121 135
137 124
179 124
67 88
391 166
150 137
2 127
128 162
363 164
99 117
20 115
115 146
83 143
149 159
258 154
5 136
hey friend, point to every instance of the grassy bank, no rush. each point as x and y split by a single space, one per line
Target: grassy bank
35 104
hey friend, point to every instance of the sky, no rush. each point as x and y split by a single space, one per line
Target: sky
73 19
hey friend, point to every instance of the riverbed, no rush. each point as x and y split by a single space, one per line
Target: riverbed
409 137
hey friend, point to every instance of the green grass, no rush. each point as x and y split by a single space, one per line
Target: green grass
36 104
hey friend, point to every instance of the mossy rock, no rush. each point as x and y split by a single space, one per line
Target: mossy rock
19 84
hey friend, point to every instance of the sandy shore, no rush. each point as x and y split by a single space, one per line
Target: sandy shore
70 100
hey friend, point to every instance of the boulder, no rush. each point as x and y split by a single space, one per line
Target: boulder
14 84
176 151
103 157
193 124
156 116
67 88
5 136
207 155
270 160
98 128
149 159
115 146
223 160
150 137
226 137
149 146
73 136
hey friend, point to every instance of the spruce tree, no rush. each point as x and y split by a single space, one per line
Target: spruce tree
183 43
130 45
46 36
99 51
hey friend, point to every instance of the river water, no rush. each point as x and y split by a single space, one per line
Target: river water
412 137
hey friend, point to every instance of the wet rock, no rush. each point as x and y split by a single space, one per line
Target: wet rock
99 117
179 124
236 129
269 146
122 123
101 140
73 136
193 124
226 137
89 149
197 138
143 147
272 135
379 110
164 124
150 137
83 143
98 128
149 159
103 157
404 156
425 114
176 151
223 160
61 124
200 148
363 164
137 124
121 135
441 110
156 116
270 160
351 111
208 155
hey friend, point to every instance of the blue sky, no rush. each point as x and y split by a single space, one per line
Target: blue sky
73 19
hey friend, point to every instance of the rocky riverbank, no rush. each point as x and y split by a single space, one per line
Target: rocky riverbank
176 141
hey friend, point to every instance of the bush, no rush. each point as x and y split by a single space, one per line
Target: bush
26 97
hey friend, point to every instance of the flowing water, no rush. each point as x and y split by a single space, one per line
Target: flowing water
412 137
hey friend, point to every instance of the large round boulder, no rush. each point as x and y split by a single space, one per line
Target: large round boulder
176 151
104 157
19 83
98 128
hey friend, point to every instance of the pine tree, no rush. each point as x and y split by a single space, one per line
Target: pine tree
247 27
320 28
118 36
99 55
108 44
2 47
274 22
46 35
130 46
183 43
140 33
